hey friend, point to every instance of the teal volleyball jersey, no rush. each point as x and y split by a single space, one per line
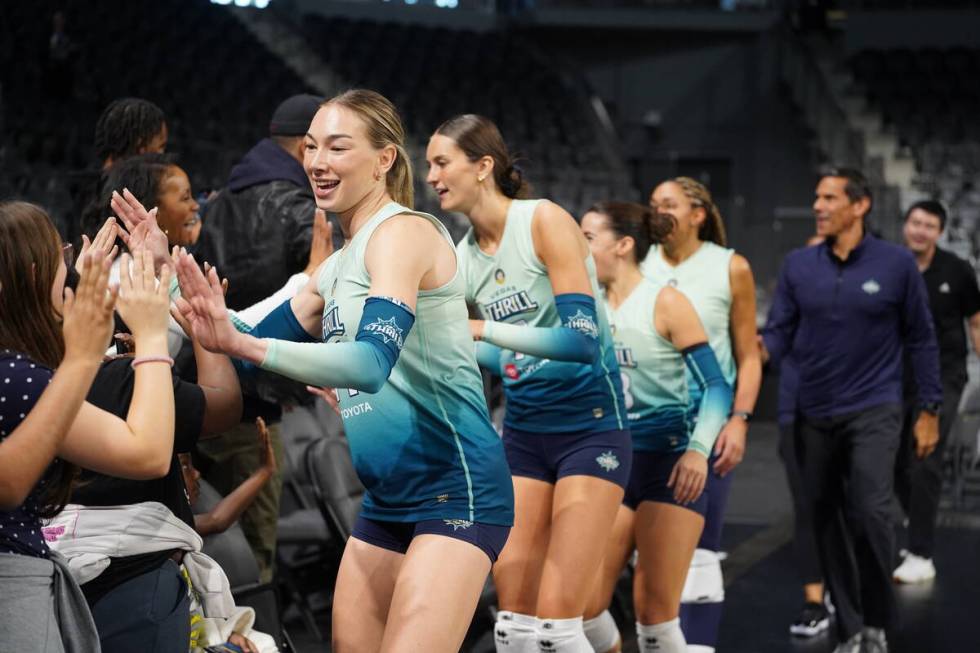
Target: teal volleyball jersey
704 278
423 445
512 285
655 384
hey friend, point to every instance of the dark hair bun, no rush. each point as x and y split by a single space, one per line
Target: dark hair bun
512 181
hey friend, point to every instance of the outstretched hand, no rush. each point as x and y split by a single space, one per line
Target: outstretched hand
141 228
102 246
202 305
321 247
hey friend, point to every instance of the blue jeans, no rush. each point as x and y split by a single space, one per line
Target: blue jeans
149 613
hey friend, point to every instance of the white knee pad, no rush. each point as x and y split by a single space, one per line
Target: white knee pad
562 636
704 583
665 637
602 632
515 633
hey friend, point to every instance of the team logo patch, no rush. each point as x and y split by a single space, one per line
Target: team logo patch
513 304
583 323
511 371
331 324
870 286
598 413
499 277
458 524
944 288
388 330
608 461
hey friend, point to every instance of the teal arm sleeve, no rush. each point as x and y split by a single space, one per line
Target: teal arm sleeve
576 341
364 364
716 397
488 357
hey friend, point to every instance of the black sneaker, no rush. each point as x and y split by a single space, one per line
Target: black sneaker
813 620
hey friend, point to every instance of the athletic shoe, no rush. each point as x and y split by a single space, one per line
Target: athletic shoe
853 645
873 640
812 621
915 569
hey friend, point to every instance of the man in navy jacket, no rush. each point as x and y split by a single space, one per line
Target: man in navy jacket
848 309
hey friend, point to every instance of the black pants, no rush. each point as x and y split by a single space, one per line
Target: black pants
804 539
919 483
848 471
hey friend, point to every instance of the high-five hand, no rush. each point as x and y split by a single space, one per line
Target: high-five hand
202 303
142 230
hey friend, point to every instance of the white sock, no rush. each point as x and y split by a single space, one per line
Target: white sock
700 648
664 637
515 633
602 632
562 636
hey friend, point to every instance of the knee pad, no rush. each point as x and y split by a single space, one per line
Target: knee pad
515 633
562 636
602 632
704 583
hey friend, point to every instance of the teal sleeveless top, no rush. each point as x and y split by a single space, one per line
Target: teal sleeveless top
512 285
423 446
653 371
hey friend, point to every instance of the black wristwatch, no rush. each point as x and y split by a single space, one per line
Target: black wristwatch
744 414
931 407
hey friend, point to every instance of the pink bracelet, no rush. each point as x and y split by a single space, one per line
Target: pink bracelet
152 359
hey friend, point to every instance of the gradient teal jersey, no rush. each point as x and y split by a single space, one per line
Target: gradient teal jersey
512 286
653 372
423 445
704 279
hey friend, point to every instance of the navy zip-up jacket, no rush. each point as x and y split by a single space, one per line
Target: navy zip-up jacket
848 324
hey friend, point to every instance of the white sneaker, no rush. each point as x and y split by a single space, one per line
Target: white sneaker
915 569
873 640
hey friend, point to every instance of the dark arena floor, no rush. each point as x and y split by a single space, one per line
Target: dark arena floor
762 591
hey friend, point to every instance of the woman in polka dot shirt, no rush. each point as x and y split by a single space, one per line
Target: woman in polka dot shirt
51 344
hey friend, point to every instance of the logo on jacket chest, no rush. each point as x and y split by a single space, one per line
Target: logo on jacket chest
331 324
510 305
871 287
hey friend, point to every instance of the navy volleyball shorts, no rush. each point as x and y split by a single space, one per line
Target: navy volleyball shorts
648 481
397 536
551 456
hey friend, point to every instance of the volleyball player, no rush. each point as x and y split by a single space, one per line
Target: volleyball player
694 259
530 276
439 503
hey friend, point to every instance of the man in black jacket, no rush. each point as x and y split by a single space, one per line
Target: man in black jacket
257 230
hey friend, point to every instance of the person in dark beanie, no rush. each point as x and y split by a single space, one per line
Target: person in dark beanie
257 231
847 309
262 220
954 300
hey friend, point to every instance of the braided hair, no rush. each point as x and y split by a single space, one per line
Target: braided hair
126 126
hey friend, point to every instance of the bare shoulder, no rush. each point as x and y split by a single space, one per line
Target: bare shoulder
739 267
548 215
671 300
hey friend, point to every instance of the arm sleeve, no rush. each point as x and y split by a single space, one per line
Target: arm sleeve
257 312
920 337
364 364
784 317
488 357
716 399
576 340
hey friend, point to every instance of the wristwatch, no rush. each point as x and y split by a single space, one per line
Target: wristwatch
744 414
931 407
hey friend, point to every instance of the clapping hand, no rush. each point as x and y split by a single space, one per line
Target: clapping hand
143 303
102 245
202 305
87 312
142 230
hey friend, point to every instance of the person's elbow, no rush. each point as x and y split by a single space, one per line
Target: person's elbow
12 496
373 381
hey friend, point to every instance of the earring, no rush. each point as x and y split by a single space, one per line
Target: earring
481 178
377 176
